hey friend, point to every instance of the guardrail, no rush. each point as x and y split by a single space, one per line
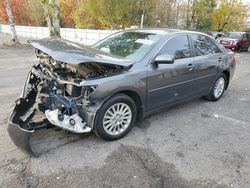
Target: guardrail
84 36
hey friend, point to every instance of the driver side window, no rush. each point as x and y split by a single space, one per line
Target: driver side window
177 46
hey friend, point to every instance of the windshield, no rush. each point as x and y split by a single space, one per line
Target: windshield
234 35
130 45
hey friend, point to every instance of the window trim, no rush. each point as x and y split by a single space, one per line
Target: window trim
157 52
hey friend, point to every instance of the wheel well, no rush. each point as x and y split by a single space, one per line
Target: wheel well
133 95
226 72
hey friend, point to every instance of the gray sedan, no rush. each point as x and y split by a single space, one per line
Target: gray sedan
123 78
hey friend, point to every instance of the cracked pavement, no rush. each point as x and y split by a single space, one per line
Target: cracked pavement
199 144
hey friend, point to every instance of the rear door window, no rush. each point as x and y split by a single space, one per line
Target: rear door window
203 45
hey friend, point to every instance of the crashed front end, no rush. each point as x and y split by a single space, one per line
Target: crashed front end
56 90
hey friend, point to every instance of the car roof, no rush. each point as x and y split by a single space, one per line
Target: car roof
162 31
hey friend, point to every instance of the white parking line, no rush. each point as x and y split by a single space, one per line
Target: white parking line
231 119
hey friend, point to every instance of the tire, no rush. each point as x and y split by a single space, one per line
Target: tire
238 49
121 123
218 89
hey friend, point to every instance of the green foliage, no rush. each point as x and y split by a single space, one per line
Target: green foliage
117 14
45 2
224 15
202 12
36 13
81 16
230 15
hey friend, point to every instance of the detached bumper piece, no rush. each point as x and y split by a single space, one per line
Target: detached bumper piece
20 137
21 124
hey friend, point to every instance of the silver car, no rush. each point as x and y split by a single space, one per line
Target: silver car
125 77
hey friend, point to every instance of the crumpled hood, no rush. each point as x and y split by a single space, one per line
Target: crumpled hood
69 52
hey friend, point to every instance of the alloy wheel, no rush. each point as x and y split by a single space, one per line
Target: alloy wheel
219 87
117 119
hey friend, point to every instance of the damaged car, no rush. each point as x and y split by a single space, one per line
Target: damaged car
123 78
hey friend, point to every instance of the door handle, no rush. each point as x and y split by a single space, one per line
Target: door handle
190 66
220 59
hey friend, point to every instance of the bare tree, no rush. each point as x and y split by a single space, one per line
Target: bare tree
52 16
47 15
10 20
56 21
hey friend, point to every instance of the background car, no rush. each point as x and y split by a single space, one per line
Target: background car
236 41
217 35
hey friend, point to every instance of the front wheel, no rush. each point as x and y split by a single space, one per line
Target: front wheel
115 118
218 88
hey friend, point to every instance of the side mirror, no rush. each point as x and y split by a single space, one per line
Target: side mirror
165 59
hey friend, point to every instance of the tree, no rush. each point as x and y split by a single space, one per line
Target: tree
21 14
10 20
82 18
117 14
202 13
3 13
52 16
230 15
56 18
24 12
67 7
36 13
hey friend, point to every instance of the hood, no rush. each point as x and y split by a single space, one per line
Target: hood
227 39
69 52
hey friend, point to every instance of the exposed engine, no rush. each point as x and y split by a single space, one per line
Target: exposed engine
62 89
61 94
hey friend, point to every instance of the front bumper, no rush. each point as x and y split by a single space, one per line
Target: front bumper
25 118
18 123
21 137
231 47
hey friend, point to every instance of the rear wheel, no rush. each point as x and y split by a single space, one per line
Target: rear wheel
115 118
218 88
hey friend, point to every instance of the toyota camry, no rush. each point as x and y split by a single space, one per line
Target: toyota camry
123 78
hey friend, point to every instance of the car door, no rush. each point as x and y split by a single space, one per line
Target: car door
244 41
169 83
248 41
206 61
